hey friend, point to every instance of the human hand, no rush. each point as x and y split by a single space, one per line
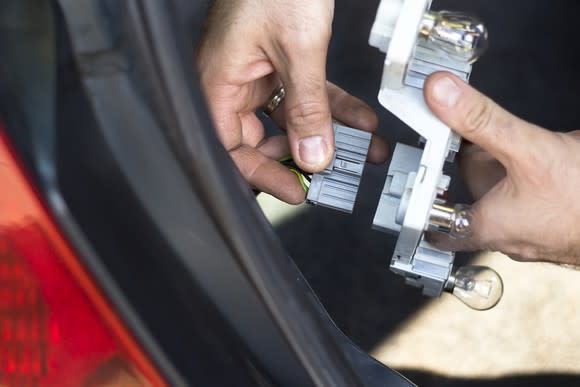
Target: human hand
249 48
526 179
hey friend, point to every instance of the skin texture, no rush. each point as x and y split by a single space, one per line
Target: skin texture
525 179
249 48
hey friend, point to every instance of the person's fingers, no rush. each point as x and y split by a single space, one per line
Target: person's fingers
480 171
344 107
306 106
252 129
275 147
225 117
484 231
379 150
492 219
445 242
350 110
268 175
478 119
354 113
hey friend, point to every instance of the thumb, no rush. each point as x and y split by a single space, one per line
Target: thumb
307 109
477 118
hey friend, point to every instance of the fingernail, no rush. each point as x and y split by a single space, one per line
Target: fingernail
312 150
446 92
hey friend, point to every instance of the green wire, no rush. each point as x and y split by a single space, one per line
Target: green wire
301 179
302 176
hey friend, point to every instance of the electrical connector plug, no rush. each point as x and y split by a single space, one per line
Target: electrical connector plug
337 185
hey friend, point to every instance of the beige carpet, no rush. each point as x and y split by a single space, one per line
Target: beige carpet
534 329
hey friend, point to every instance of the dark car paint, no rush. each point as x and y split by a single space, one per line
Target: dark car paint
128 162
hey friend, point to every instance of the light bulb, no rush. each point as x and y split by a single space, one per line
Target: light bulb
462 221
455 220
478 287
462 37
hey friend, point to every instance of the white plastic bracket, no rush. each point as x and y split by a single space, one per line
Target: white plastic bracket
408 63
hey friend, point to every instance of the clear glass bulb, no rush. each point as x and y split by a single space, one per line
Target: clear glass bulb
456 221
461 36
478 287
461 222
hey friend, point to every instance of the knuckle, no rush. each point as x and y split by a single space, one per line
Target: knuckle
324 33
535 169
523 248
479 115
246 161
522 253
306 114
298 46
296 39
537 164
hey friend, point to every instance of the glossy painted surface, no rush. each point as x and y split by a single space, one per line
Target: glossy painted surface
56 328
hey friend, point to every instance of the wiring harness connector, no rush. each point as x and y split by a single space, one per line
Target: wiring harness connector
337 185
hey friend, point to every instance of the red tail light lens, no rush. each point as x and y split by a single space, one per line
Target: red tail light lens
56 328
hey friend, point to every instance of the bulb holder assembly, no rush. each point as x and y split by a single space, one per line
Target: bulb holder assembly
419 42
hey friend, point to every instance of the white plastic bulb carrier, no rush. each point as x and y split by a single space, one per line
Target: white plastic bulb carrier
417 43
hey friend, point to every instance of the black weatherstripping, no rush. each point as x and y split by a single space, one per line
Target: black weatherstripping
166 224
327 355
146 223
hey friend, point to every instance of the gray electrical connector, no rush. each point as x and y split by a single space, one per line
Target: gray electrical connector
394 198
337 185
